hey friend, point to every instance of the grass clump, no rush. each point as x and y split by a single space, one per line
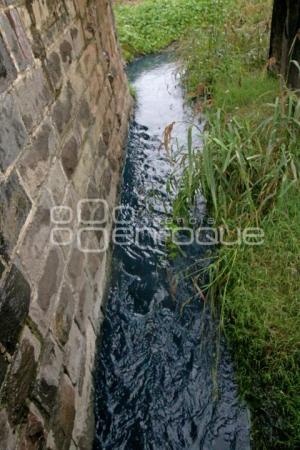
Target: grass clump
252 90
262 321
249 172
245 166
227 48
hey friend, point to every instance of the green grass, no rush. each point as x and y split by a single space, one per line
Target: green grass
262 323
228 47
151 25
254 89
249 172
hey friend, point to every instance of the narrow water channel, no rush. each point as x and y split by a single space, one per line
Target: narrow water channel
154 381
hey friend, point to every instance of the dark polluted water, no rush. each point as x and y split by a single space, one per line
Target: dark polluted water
154 380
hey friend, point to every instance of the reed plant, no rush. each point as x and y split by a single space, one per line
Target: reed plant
249 172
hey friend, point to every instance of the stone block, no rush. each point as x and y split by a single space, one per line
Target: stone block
40 12
63 108
49 372
74 361
54 69
73 446
57 23
85 115
7 436
96 316
88 60
77 37
21 376
84 421
8 72
2 267
64 315
70 156
70 8
34 164
33 435
81 6
76 79
57 183
84 169
64 414
66 51
25 18
12 30
50 281
71 200
76 269
14 306
34 247
96 211
102 147
3 249
33 95
82 307
106 182
13 136
49 16
3 367
71 45
94 88
108 126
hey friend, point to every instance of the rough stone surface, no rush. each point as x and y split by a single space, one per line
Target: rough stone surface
34 164
7 71
13 135
3 368
21 377
64 314
33 436
64 109
7 436
14 209
2 268
16 38
48 284
50 367
63 420
70 156
33 95
14 307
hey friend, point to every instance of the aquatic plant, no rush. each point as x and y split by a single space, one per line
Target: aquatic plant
151 25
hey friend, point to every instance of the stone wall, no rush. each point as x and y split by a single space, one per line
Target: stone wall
64 107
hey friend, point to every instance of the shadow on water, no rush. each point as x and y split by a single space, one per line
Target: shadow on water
153 381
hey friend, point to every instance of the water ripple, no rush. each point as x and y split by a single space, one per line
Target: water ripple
154 382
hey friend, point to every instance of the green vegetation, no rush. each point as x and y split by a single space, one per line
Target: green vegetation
132 91
262 319
227 49
249 172
151 25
